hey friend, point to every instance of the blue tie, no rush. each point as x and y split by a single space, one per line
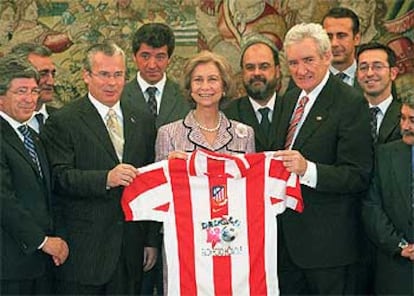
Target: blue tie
30 146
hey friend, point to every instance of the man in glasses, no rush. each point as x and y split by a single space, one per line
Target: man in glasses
40 57
28 245
376 72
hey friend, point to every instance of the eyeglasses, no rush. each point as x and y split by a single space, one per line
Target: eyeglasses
262 67
24 91
107 75
375 67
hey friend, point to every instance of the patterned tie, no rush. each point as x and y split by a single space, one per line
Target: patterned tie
152 102
30 146
374 111
115 133
265 123
40 120
341 75
295 121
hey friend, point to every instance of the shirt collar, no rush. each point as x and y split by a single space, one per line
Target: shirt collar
383 106
315 92
350 71
159 85
270 104
103 109
13 122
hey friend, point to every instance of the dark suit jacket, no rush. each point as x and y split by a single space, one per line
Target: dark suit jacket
387 216
336 137
242 110
390 127
25 207
173 105
90 217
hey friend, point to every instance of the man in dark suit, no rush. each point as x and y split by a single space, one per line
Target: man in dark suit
28 247
41 59
342 26
388 210
324 131
153 45
95 145
261 73
376 72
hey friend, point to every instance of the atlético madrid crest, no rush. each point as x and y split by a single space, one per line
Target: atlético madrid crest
219 195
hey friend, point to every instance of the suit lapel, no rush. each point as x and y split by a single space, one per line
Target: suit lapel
13 139
400 165
94 122
167 104
136 96
131 129
318 115
390 121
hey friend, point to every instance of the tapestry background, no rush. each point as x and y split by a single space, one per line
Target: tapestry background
69 27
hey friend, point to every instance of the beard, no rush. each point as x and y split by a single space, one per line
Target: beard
262 93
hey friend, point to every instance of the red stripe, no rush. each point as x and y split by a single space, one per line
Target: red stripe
180 184
142 183
255 230
278 170
221 264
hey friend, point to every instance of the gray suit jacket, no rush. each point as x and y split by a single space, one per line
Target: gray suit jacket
184 135
173 105
387 216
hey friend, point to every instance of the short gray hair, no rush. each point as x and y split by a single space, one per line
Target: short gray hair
25 48
108 48
13 67
302 31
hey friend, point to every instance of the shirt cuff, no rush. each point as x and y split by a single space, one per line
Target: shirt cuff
43 243
310 177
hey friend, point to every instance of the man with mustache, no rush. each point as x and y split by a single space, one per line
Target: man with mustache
388 209
261 73
40 57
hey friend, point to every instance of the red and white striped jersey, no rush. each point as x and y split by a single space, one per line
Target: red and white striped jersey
220 231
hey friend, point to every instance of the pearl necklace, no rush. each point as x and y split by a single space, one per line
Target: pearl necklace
210 130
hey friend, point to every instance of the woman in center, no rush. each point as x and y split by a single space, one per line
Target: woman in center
207 82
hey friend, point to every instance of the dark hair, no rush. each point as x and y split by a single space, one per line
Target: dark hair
108 47
26 48
391 58
255 38
155 35
13 67
342 12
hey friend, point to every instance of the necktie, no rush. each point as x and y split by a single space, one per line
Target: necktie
297 115
265 123
30 146
374 111
152 102
115 133
40 120
341 75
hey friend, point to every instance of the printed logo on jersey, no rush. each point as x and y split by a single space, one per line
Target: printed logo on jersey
220 233
218 196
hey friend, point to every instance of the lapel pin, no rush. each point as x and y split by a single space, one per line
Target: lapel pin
132 119
318 118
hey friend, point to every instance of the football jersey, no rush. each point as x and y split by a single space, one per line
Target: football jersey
218 210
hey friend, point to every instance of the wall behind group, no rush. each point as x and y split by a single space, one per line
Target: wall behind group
69 27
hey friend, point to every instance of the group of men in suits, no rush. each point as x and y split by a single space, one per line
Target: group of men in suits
321 129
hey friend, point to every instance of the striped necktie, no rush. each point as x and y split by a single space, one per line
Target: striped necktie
30 146
115 133
374 122
152 101
297 116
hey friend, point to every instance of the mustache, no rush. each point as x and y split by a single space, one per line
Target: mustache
257 78
47 87
407 133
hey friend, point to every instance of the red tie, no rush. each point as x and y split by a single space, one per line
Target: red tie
295 121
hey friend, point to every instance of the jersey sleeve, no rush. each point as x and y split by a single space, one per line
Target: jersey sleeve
148 197
283 187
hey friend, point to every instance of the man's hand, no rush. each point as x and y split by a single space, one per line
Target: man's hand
57 248
408 252
150 257
293 161
121 175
